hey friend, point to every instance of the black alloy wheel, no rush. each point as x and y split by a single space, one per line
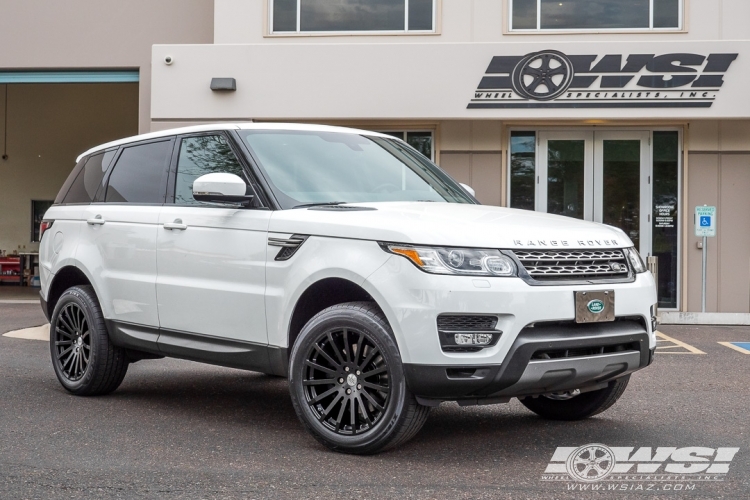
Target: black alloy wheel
346 381
84 359
72 342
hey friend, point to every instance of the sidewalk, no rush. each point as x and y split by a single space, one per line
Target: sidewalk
18 294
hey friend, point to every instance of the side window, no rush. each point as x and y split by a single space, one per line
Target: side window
88 180
140 174
199 156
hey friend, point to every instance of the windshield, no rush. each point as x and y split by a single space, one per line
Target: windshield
306 167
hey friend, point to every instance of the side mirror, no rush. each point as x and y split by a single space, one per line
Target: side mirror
468 189
221 188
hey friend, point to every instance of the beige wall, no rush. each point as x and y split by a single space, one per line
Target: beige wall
73 34
719 174
245 21
471 152
48 126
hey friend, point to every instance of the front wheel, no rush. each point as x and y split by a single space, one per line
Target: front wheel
578 407
347 382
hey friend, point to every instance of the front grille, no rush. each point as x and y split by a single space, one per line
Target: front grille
557 265
465 323
584 351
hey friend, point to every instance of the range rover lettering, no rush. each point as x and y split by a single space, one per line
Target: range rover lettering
343 260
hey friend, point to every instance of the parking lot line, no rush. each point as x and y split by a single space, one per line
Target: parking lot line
34 333
743 347
676 344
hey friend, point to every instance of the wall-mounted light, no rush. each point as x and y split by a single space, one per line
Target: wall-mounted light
223 84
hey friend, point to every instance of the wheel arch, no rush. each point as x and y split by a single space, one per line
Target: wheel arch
65 278
320 295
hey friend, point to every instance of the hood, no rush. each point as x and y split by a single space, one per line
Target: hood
448 224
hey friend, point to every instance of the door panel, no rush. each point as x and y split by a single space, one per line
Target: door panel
118 243
211 274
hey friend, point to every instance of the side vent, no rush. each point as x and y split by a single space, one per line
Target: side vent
289 246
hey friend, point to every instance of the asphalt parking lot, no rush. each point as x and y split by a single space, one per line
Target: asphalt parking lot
177 429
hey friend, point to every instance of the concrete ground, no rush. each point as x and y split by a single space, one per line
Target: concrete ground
177 429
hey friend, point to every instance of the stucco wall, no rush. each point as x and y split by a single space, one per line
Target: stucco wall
719 175
81 34
245 21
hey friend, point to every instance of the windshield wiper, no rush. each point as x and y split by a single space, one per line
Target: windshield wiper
320 204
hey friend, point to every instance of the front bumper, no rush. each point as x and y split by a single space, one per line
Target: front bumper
543 359
412 300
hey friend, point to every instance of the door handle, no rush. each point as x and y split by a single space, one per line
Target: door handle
96 221
177 224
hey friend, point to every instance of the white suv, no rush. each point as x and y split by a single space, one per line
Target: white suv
345 261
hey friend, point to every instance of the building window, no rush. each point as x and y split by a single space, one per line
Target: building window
666 155
522 170
595 15
353 16
419 140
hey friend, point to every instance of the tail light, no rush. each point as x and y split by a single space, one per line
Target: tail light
46 224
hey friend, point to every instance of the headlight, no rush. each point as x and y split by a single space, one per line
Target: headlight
460 261
635 260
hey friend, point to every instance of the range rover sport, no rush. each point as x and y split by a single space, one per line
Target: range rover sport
345 261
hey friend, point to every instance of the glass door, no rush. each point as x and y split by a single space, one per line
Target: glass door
614 177
598 176
565 174
622 184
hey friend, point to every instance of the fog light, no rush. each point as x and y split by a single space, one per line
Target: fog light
473 338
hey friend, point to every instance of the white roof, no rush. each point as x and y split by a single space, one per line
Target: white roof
229 126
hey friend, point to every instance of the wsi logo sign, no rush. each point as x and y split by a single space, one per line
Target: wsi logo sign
597 462
550 78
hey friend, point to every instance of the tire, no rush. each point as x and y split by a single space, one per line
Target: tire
379 412
579 407
85 361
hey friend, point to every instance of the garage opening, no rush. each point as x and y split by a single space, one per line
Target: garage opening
47 118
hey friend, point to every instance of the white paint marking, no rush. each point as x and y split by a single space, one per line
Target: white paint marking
735 347
35 333
678 343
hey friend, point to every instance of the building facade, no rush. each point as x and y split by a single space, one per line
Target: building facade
628 113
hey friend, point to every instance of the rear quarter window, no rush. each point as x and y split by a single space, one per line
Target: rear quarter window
86 178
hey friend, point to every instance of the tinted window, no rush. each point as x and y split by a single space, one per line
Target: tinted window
352 15
522 169
420 15
285 15
595 14
89 178
202 155
69 181
140 174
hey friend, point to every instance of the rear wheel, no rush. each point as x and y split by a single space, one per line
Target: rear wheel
85 361
578 407
347 382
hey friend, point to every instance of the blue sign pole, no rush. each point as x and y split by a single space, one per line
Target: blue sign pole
703 277
705 226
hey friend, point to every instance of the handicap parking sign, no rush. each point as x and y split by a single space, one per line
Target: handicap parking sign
705 221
